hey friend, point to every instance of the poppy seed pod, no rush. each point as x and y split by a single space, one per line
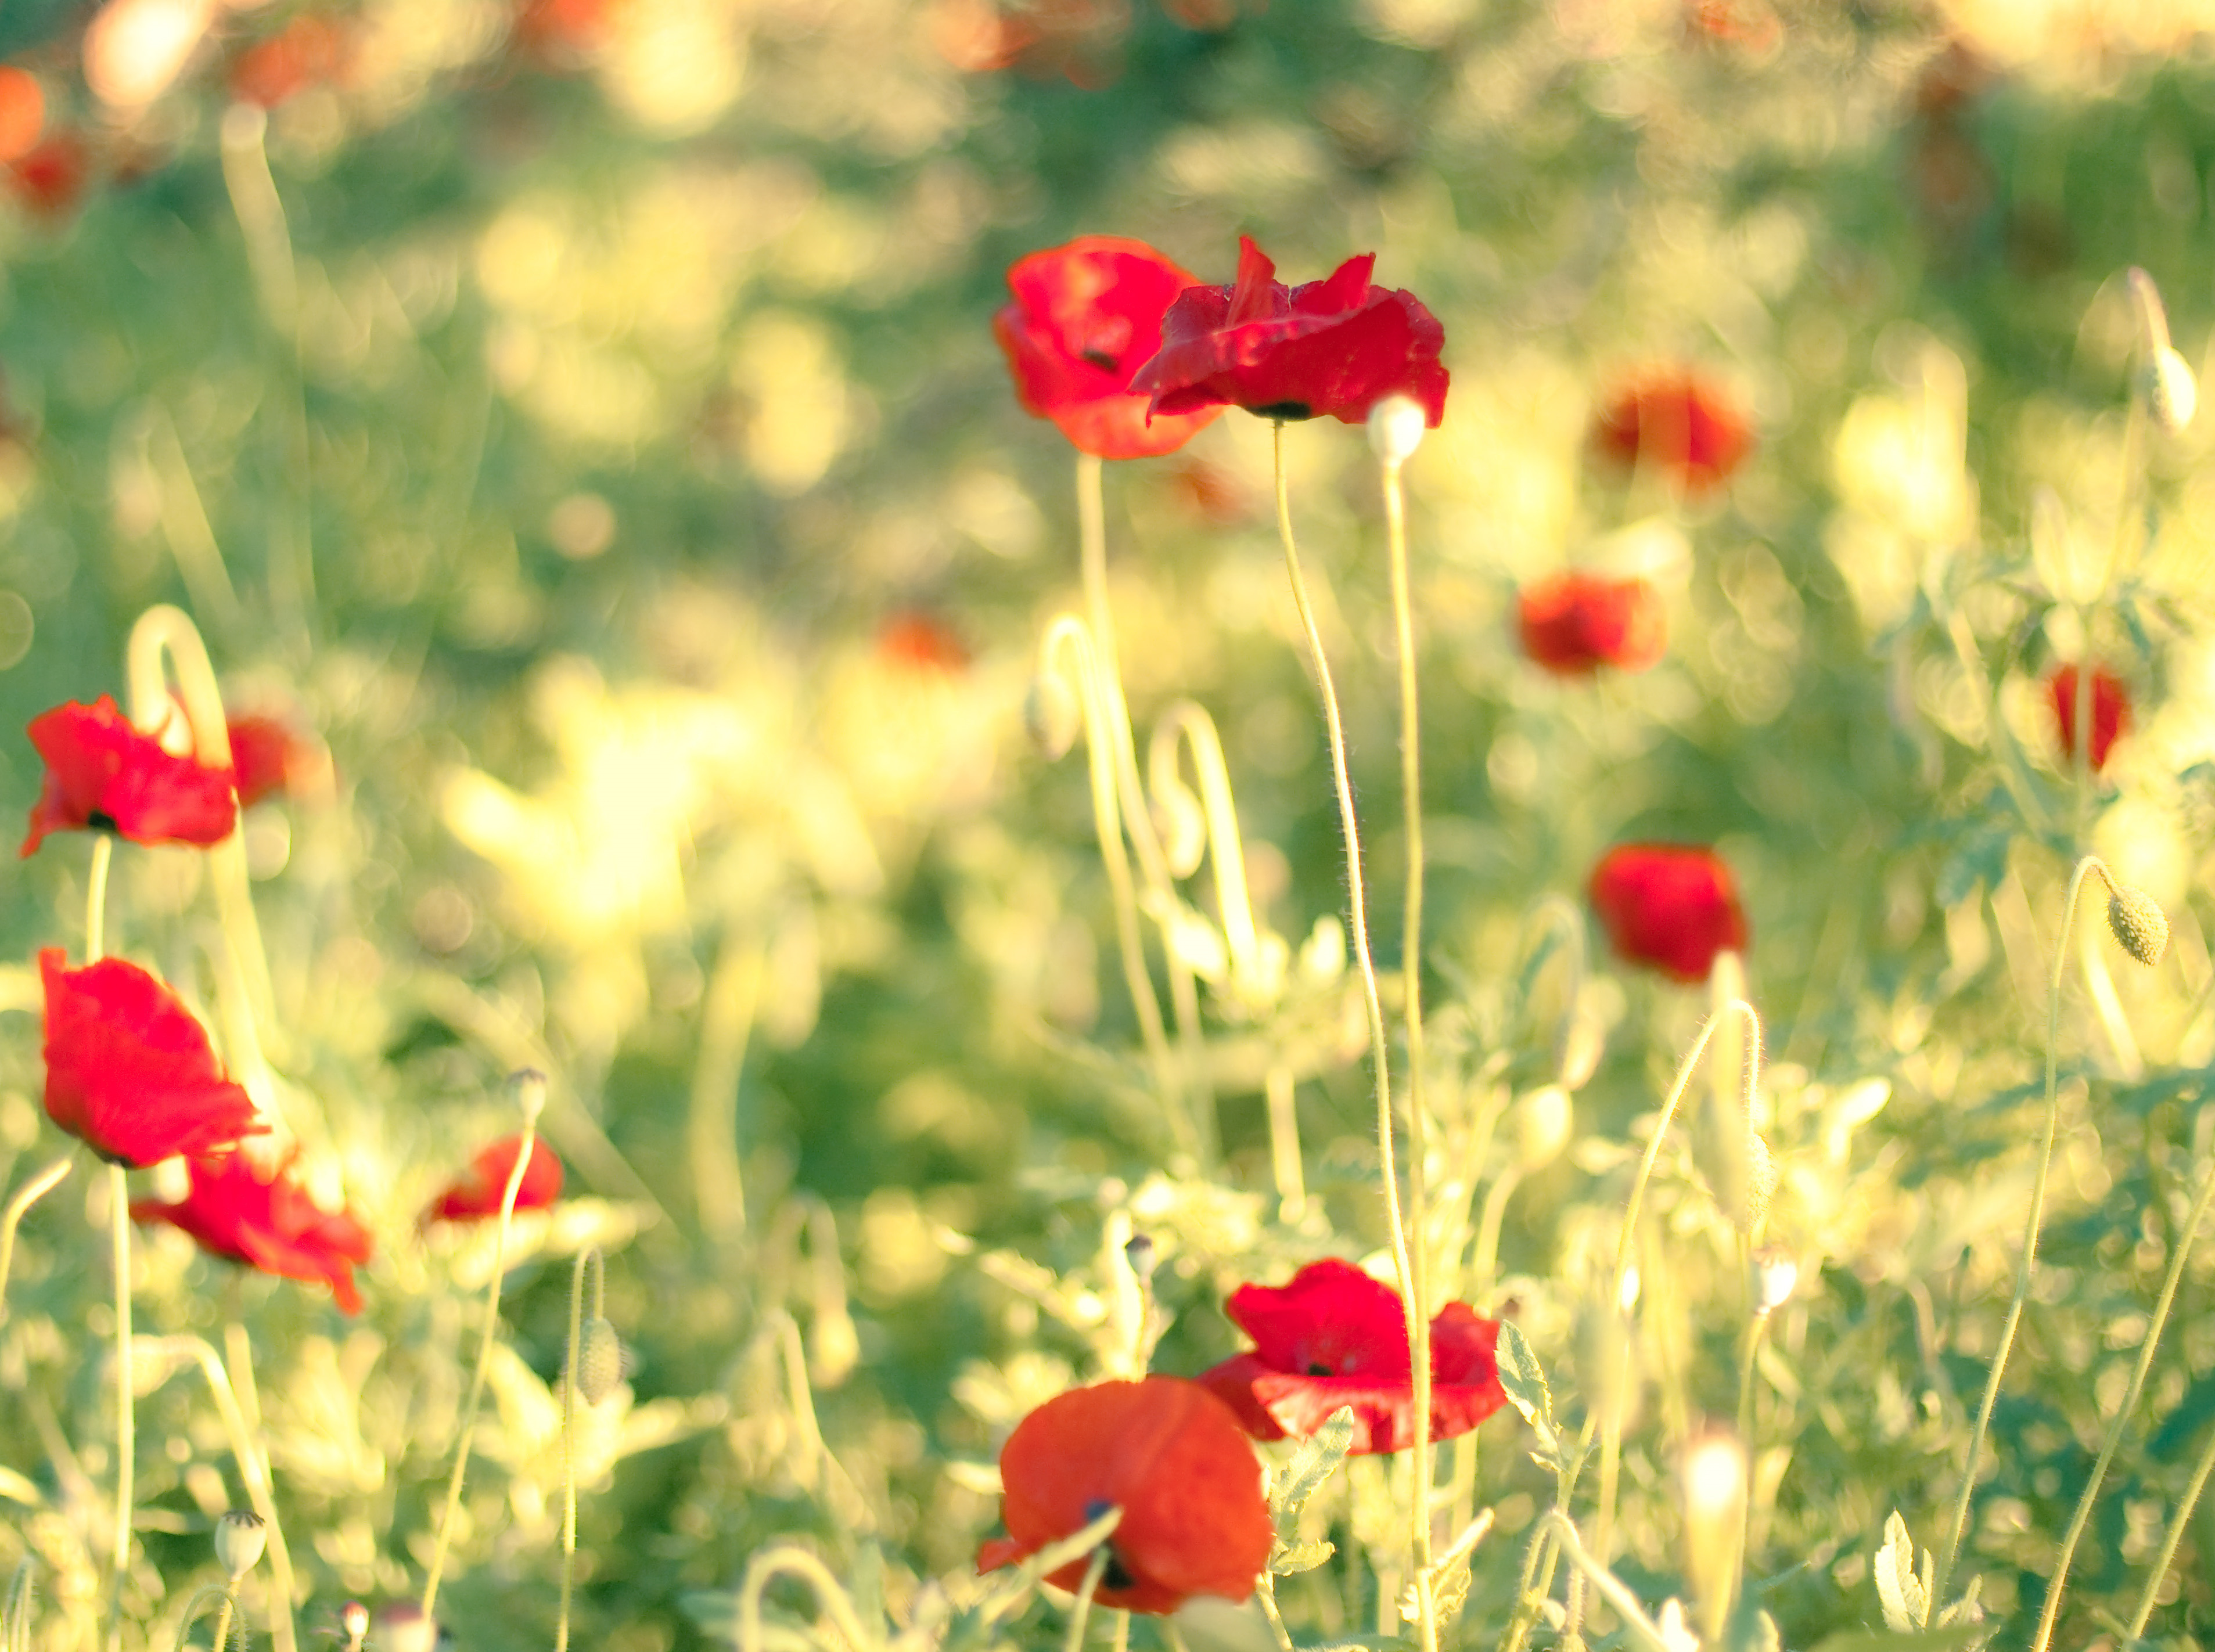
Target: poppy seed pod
240 1537
2171 393
2138 923
529 1092
1052 715
599 1359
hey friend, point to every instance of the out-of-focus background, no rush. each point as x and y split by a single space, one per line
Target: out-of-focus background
581 420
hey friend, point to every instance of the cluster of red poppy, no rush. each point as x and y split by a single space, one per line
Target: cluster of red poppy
1173 1456
130 1069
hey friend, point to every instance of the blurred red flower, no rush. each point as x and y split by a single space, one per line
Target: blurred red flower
2111 712
1172 1458
309 50
1334 1337
922 642
49 177
1085 316
129 1069
478 1191
1669 906
1337 346
269 758
23 111
103 773
265 1219
1672 419
1575 622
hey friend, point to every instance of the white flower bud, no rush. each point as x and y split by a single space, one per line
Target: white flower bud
1780 1277
353 1622
2172 396
599 1359
240 1537
1395 428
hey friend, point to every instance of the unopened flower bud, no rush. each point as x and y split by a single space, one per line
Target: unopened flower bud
1542 1124
404 1627
1181 825
1761 1179
599 1359
1395 428
1714 1475
2138 923
1778 1274
1140 1254
353 1622
240 1537
530 1085
2172 396
1052 715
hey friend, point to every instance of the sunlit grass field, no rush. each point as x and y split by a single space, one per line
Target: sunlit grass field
909 852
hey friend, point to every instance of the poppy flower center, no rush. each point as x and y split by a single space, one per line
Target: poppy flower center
1317 1369
1114 1574
1291 411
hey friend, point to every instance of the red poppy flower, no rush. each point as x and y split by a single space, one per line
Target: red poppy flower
920 642
1668 906
129 1070
23 111
1172 1458
49 177
2111 712
1337 346
265 1219
269 759
1334 1337
308 52
1679 422
1085 316
1573 623
103 773
478 1191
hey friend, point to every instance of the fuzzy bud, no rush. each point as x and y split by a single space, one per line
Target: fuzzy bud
1396 429
2172 396
530 1086
1761 1179
599 1359
1052 715
240 1537
2138 923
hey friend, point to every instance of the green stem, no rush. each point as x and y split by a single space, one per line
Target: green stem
484 1355
2032 1223
95 896
1357 898
1411 974
126 1441
2184 1251
590 1255
223 1616
1083 1607
2178 1522
30 1192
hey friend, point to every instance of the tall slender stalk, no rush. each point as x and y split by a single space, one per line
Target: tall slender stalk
532 1087
127 1433
2180 1521
28 1195
2182 1253
2033 1222
95 896
590 1255
1411 984
1357 900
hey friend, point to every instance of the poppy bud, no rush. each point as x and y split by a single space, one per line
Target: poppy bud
599 1359
353 1620
2171 395
1779 1276
2138 923
1396 429
1051 716
1761 1179
1140 1254
240 1537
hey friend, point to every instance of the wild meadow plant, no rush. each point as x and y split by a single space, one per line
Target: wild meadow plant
1559 1097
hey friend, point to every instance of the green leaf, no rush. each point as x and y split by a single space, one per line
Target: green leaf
1291 1558
1905 1601
1525 1380
1316 1461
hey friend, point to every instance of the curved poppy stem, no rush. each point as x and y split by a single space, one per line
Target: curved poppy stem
2033 1223
30 1192
1070 633
161 631
791 1558
1198 1099
590 1256
2184 1251
1187 721
127 1433
532 1087
1411 1301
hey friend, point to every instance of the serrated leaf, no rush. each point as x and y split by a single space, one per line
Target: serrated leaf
1525 1380
1905 1601
1295 1557
1315 1462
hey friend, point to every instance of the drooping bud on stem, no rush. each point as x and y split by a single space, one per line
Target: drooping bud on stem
599 1359
2137 921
